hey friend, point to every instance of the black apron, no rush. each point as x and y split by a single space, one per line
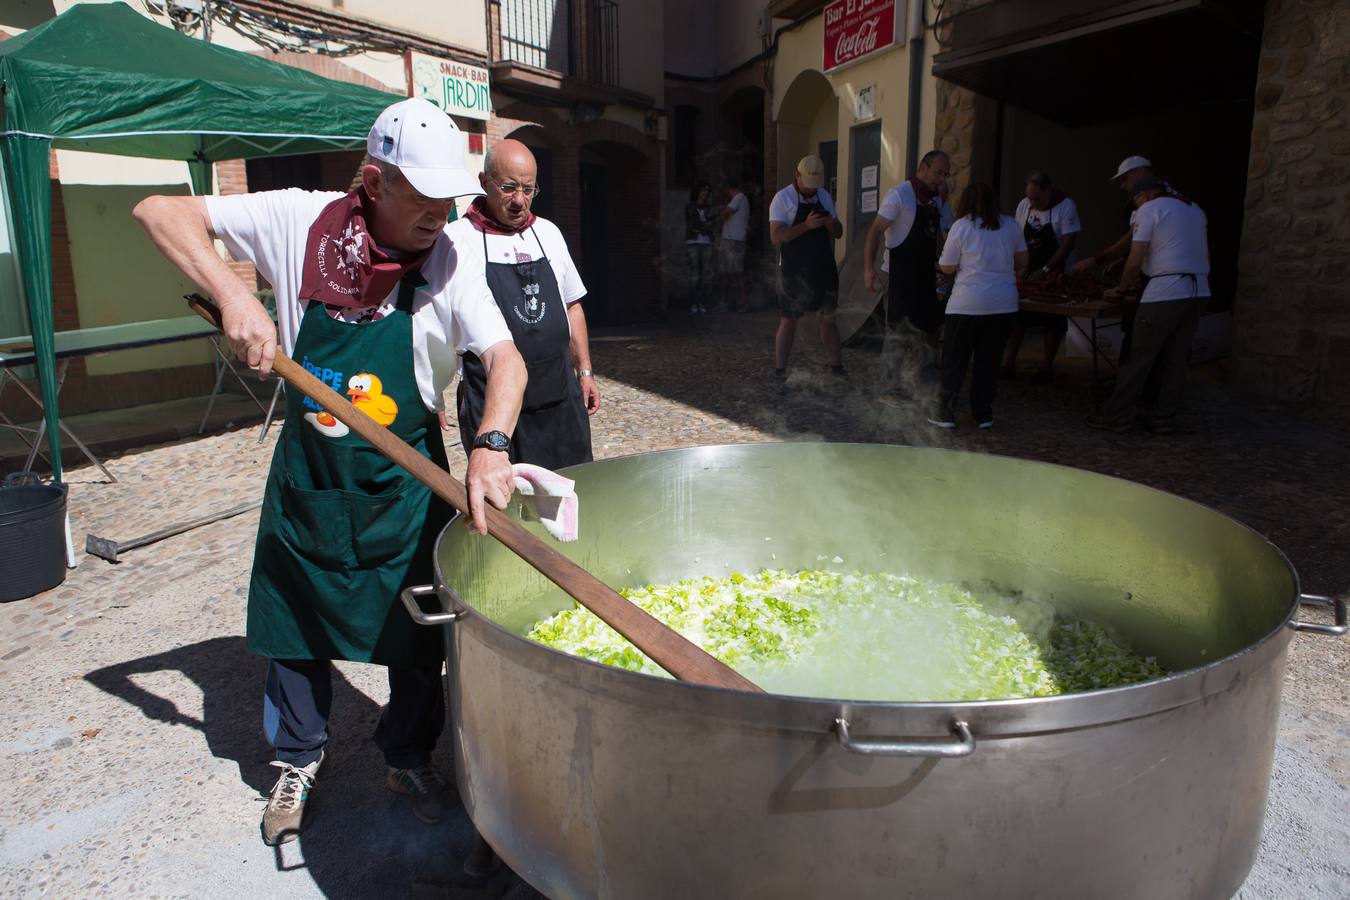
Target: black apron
1042 245
913 275
1042 242
810 256
553 430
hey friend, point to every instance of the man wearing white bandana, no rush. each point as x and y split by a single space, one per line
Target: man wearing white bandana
372 299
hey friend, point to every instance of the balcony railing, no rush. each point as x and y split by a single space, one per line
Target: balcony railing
578 38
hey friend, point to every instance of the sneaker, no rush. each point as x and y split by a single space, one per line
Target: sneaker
284 818
425 785
1100 422
942 420
985 423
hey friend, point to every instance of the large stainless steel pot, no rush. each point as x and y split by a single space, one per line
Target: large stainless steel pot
596 782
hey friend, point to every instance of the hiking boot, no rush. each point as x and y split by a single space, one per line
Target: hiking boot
425 785
1100 422
284 818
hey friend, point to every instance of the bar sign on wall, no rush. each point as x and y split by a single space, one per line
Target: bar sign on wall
855 29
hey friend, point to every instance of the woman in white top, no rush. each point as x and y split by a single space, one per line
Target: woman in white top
984 250
698 230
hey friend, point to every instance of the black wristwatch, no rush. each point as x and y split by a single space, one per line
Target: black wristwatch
493 440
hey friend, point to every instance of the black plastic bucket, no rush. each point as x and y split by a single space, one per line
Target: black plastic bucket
32 536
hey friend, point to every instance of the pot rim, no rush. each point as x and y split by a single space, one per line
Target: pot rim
1007 716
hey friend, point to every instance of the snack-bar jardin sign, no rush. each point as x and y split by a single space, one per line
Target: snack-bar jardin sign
858 28
457 88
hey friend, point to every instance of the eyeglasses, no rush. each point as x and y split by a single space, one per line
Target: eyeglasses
528 191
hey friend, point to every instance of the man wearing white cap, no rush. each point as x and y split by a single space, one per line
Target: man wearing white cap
372 299
803 225
1128 174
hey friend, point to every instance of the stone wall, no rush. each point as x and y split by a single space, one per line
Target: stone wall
1291 318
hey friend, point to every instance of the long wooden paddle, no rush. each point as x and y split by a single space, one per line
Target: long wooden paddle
669 649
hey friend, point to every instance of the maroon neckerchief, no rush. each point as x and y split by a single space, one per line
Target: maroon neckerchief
343 265
482 220
923 192
1170 192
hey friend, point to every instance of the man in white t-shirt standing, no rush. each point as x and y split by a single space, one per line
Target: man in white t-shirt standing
538 289
1049 222
803 225
912 217
373 300
731 247
1169 246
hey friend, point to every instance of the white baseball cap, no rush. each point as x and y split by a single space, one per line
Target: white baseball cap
427 147
812 171
1129 164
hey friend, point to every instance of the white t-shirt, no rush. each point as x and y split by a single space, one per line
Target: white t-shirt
452 314
900 206
1177 245
518 248
986 282
736 225
784 206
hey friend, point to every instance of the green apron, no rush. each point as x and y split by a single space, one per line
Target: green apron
343 528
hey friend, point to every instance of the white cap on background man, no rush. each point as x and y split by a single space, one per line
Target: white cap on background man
1129 164
811 170
426 146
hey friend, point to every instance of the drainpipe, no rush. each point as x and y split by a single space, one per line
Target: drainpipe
916 58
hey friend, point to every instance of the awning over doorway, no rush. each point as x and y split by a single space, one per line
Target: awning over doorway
1078 63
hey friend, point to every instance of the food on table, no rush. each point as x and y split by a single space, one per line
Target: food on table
867 637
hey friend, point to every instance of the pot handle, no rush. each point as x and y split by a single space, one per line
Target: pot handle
409 597
1337 603
964 745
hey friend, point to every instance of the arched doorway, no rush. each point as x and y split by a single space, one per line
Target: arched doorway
620 233
808 124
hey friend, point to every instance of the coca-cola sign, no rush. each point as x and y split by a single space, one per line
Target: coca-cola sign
858 28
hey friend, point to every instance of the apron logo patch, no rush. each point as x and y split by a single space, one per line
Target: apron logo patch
534 310
367 394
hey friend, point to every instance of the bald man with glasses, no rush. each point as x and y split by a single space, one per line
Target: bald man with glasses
538 289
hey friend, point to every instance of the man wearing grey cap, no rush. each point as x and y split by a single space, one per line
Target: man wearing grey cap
803 225
372 299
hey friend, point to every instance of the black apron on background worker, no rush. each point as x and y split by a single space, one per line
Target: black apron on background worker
913 271
810 277
1042 245
343 527
553 430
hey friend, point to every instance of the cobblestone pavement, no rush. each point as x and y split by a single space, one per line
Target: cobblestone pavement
132 746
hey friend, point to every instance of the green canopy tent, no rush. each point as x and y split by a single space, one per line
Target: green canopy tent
105 79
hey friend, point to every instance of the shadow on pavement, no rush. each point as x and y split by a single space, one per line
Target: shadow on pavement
361 840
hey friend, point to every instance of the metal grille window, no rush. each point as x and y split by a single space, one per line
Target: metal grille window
575 37
537 33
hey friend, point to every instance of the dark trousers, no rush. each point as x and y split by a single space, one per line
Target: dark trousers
1161 347
974 342
299 696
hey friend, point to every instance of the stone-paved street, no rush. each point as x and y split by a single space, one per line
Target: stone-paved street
131 743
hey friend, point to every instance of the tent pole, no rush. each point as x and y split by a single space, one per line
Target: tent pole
28 174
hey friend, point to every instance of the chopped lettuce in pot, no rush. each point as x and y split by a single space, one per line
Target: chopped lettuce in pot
866 637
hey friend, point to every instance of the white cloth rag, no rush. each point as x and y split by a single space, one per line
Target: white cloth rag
555 499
